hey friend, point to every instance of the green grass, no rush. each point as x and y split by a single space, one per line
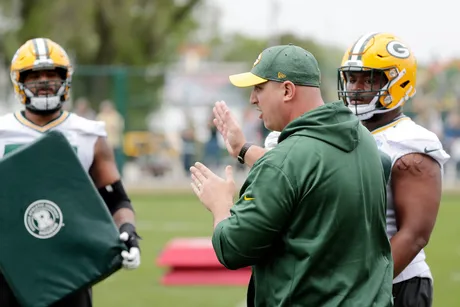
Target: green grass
162 217
443 253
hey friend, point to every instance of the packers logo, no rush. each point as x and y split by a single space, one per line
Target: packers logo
43 219
257 60
398 50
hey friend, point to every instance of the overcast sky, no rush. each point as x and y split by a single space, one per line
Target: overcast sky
430 28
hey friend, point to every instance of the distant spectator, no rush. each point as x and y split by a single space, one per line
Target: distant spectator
114 125
212 154
251 125
452 128
452 140
83 108
188 148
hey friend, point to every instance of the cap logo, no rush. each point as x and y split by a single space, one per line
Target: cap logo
257 60
281 75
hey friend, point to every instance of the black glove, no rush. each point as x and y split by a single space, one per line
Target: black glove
133 237
132 256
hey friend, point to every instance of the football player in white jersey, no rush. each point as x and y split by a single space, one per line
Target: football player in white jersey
41 73
377 76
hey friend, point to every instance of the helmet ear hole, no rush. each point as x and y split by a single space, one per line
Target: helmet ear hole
404 84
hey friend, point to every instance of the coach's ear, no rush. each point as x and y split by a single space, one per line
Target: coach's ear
289 90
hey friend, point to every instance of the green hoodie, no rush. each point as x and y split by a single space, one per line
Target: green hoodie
311 217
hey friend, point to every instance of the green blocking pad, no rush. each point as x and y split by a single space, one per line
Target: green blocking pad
56 234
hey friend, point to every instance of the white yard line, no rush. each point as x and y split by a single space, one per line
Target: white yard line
242 304
455 276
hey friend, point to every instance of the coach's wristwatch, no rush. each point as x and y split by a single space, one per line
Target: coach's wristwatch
243 151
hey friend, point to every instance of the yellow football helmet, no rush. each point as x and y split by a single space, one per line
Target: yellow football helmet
381 53
41 54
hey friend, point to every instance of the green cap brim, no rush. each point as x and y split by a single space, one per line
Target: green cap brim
246 79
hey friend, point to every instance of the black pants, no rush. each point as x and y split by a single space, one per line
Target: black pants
82 298
251 295
414 292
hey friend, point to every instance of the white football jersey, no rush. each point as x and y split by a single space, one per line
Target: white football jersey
82 134
397 139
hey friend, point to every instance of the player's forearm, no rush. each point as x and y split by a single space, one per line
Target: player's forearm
124 215
404 247
253 154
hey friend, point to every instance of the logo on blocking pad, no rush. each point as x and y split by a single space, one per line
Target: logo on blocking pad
43 219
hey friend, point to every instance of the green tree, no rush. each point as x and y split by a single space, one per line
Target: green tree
112 42
99 32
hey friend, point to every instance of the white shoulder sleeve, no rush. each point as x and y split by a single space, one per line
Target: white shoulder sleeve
7 121
411 138
271 140
87 126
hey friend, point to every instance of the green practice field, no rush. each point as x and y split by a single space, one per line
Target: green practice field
164 216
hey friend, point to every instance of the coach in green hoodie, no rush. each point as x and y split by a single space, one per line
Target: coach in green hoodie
310 218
